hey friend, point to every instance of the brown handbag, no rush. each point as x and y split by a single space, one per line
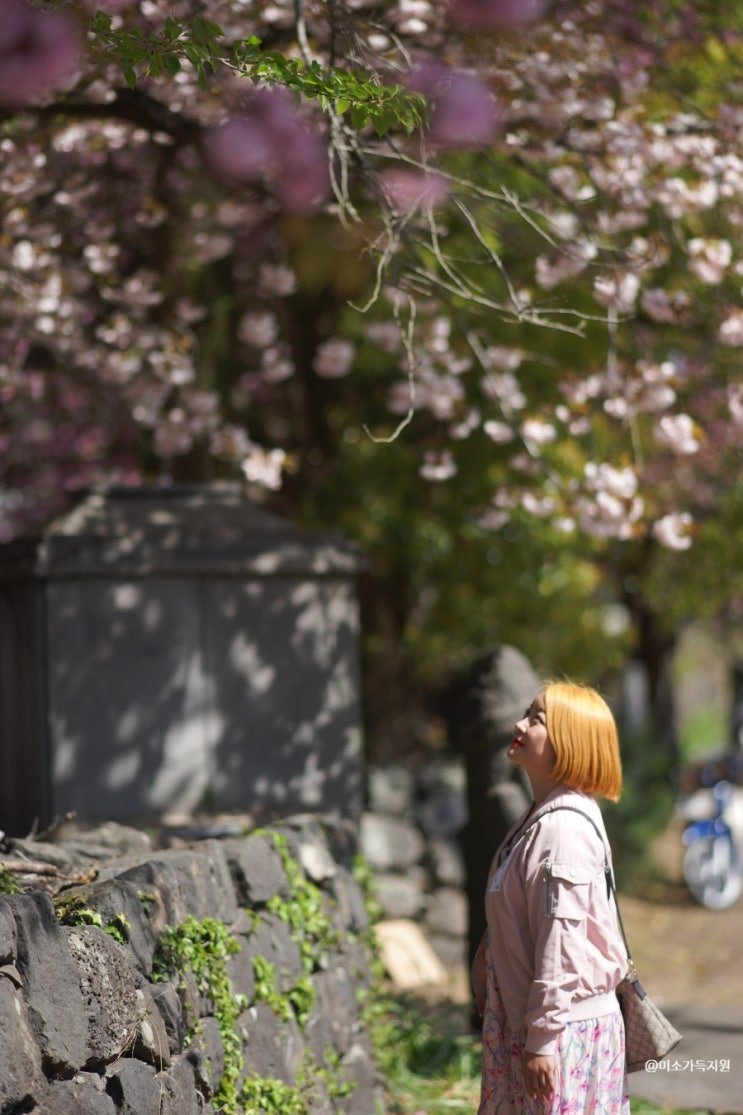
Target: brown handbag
648 1035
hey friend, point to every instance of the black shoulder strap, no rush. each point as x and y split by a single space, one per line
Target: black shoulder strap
611 889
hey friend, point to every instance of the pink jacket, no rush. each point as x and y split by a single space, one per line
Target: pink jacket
552 930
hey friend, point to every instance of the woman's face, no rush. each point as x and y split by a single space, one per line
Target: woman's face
531 748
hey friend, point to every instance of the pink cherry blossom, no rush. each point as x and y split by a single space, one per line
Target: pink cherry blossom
493 519
735 404
414 16
464 427
271 142
730 330
334 358
674 530
264 467
230 442
110 6
464 111
621 482
655 188
498 432
619 293
678 433
38 53
536 433
609 506
570 184
242 149
385 335
438 466
276 364
409 189
551 271
605 516
259 328
276 280
304 178
505 388
540 506
662 305
496 14
503 359
173 435
710 259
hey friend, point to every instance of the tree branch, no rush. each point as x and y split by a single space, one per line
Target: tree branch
134 106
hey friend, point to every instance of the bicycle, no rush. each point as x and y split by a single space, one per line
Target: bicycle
712 865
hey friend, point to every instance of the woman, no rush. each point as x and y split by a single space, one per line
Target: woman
545 973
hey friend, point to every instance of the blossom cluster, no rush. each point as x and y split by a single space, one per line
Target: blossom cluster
123 214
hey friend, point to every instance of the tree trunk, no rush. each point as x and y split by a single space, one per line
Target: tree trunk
653 659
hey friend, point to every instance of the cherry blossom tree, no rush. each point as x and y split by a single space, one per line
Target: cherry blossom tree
497 237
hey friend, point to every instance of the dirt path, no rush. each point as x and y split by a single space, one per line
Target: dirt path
684 952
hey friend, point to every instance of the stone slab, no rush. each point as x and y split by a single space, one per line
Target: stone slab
407 955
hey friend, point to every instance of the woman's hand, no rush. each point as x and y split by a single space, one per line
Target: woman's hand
479 976
539 1076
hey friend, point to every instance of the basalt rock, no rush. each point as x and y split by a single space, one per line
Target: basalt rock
91 1024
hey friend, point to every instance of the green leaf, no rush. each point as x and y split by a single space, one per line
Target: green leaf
101 22
382 120
213 28
200 29
130 76
359 116
193 53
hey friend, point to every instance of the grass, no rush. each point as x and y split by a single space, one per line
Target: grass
705 731
431 1061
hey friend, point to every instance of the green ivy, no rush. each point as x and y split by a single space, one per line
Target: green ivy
378 1010
330 1074
71 911
364 877
8 882
309 922
266 991
203 949
302 998
261 1095
148 900
119 928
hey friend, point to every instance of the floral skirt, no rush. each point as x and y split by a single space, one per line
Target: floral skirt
591 1075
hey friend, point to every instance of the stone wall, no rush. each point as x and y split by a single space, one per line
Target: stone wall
410 839
90 1025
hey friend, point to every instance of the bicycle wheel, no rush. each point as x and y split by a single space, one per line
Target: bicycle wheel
712 872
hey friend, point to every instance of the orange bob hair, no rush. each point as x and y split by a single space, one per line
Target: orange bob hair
583 733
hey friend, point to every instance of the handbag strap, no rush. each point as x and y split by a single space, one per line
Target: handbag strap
611 889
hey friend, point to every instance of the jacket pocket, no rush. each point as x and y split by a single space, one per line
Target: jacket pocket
569 888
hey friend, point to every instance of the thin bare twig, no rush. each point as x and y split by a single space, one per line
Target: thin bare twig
301 28
409 346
